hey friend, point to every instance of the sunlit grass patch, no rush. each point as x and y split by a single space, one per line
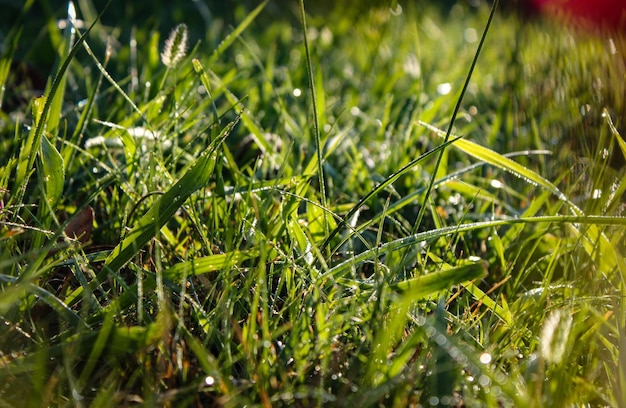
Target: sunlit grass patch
187 225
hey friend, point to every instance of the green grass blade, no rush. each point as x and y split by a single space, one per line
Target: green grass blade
53 171
457 107
381 187
208 264
592 238
430 284
620 140
236 33
33 141
153 220
397 244
56 104
316 117
204 78
496 159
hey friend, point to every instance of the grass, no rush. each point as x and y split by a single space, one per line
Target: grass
272 218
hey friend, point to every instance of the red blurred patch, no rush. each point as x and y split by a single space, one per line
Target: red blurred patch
605 16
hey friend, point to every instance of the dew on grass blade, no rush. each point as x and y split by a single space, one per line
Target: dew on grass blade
596 194
484 381
496 184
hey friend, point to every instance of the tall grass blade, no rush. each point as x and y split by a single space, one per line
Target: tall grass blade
236 33
316 117
32 143
56 104
457 107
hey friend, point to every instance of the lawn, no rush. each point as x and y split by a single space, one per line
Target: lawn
286 204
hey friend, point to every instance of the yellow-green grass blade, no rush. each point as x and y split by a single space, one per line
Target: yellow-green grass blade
595 242
53 172
496 159
208 264
430 284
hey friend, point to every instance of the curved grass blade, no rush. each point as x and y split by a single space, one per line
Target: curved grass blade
400 243
390 180
496 159
153 220
208 264
411 197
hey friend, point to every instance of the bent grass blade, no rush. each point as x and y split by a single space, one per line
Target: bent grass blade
153 220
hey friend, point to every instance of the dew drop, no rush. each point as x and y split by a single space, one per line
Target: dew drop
597 193
484 380
496 183
485 358
444 89
470 35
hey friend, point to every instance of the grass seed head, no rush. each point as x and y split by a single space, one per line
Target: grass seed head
175 47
